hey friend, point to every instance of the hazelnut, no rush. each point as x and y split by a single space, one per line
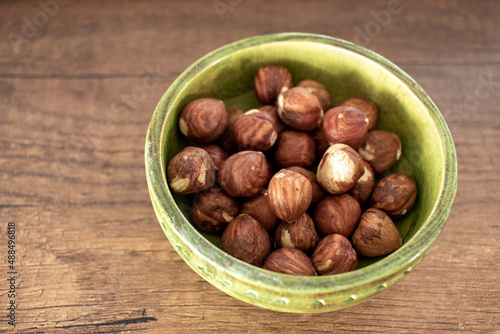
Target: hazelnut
275 118
299 109
289 261
217 154
320 141
334 254
269 81
337 214
213 209
228 139
203 120
395 195
339 169
317 191
362 190
289 194
190 171
345 125
294 148
381 149
300 234
258 207
376 234
367 108
245 239
244 174
319 91
255 130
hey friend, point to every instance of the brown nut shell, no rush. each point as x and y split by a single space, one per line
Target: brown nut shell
376 234
255 130
272 111
203 120
300 234
320 141
367 107
381 150
334 254
258 207
317 191
269 81
339 169
299 109
362 190
289 261
345 125
289 194
213 209
217 154
395 195
319 91
337 214
228 139
294 148
190 171
247 240
244 174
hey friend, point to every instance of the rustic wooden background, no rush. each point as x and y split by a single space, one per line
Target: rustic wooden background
79 81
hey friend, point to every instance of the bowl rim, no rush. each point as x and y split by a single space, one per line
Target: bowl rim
381 271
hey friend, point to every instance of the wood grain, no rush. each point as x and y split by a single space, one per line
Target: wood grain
75 102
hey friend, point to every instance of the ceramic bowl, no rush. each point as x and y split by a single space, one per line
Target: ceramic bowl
346 70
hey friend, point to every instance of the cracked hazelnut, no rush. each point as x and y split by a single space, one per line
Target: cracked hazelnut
299 109
317 191
289 194
294 148
269 81
190 171
362 190
381 149
345 125
339 169
254 130
213 209
246 239
337 214
228 139
367 108
244 174
258 207
289 261
203 120
334 254
395 195
319 91
376 234
300 234
217 154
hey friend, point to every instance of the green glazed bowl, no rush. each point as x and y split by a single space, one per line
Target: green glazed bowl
346 70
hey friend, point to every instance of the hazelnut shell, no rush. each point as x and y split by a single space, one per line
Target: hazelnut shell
376 234
334 254
190 171
289 261
246 239
203 120
337 214
395 194
300 234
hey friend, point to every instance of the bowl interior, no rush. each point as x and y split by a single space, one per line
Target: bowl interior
346 71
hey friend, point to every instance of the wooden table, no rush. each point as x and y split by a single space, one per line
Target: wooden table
78 85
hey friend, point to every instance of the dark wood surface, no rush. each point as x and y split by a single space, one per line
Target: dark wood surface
78 85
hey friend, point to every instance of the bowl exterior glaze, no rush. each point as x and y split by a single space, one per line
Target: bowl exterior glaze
346 70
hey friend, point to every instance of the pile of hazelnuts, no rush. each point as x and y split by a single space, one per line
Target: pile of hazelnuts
285 183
